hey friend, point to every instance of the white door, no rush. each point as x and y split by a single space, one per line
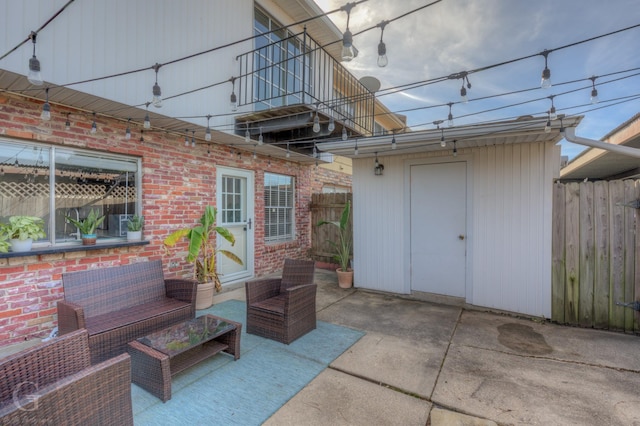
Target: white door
235 212
438 228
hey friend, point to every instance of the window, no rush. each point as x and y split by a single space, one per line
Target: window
282 73
278 206
55 182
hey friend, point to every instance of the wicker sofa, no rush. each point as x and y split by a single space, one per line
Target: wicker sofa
120 304
54 383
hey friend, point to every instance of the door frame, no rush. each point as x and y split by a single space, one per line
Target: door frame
469 218
249 175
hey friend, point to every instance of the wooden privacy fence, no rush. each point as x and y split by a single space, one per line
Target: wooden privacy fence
595 253
326 207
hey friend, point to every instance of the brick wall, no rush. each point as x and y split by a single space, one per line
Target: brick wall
177 183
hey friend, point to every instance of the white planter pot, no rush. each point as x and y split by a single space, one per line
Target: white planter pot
20 246
134 235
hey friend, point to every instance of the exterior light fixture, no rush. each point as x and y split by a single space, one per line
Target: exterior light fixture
94 125
552 111
207 133
46 108
450 117
545 83
377 167
147 122
157 93
348 52
383 61
594 91
127 133
34 75
67 124
233 99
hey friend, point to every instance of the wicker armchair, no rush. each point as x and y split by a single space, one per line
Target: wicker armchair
283 309
54 384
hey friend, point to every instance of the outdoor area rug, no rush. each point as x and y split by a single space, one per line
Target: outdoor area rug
247 391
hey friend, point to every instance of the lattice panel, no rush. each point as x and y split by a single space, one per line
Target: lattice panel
23 189
63 190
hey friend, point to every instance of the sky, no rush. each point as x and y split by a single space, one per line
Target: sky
453 36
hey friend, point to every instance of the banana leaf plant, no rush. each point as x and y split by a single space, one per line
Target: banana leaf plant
202 251
344 244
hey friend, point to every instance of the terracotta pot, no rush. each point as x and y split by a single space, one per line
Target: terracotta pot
345 279
89 239
204 295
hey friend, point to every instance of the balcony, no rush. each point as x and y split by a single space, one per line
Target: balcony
288 82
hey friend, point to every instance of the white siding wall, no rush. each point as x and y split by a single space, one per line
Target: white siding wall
102 37
510 236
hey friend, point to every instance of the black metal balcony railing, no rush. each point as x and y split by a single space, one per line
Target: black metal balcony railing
296 70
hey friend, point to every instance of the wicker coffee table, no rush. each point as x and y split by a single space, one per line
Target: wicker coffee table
159 356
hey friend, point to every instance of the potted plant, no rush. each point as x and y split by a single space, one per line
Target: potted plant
4 244
342 247
202 253
22 230
134 228
87 226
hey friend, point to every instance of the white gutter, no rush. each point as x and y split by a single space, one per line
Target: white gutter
570 135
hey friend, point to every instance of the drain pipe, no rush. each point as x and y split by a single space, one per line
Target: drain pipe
570 135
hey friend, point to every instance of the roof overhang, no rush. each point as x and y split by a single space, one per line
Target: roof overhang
522 130
16 84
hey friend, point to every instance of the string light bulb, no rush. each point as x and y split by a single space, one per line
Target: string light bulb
442 141
127 133
157 93
315 151
383 61
207 133
94 125
316 123
46 108
355 148
450 116
260 137
348 52
193 139
288 152
547 127
552 111
345 136
594 91
34 75
332 124
455 149
186 137
233 99
394 145
147 121
247 135
545 83
67 124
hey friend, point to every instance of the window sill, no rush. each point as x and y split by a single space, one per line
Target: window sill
71 248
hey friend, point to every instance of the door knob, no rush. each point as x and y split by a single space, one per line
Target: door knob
461 237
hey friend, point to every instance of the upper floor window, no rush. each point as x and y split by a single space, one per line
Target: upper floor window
57 182
282 72
279 207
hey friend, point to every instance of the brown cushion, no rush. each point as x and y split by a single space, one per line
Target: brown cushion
273 304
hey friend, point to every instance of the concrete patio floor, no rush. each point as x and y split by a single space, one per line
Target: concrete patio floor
422 363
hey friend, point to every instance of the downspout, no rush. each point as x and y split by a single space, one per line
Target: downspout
570 135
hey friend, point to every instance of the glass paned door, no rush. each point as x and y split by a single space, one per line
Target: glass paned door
235 212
